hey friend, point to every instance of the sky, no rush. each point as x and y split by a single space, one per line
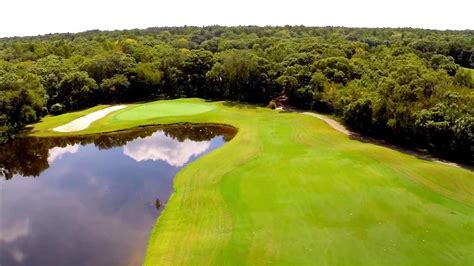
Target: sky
33 17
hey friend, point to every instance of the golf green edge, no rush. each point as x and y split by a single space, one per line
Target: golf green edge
290 190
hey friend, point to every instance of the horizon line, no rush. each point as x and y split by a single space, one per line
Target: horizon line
228 26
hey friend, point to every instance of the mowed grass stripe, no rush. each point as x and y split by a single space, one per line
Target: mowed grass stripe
290 190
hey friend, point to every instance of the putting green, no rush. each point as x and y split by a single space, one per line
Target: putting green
290 190
150 111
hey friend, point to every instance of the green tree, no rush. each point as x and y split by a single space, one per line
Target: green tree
115 88
77 90
443 62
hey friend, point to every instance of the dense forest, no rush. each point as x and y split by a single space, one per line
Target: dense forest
409 86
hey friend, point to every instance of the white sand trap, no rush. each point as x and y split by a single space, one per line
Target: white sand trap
84 122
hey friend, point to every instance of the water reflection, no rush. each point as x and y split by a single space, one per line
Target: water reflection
58 152
160 147
97 197
31 156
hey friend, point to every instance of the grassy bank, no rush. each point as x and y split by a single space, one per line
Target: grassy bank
288 189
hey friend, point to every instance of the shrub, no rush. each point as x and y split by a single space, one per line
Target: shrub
57 108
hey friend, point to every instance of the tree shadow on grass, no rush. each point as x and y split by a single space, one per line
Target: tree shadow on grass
419 154
240 105
28 130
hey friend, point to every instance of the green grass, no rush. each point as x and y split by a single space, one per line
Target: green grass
142 112
290 190
469 70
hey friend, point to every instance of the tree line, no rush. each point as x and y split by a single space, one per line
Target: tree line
409 86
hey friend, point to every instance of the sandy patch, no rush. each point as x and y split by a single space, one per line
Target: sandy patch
83 122
331 122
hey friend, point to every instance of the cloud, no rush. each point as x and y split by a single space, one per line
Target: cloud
18 256
19 229
159 147
58 152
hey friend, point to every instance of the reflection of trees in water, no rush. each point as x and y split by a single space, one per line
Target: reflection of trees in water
198 132
25 156
29 156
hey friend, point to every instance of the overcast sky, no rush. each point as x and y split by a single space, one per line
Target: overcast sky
32 17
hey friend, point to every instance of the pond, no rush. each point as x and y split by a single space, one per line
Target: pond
92 200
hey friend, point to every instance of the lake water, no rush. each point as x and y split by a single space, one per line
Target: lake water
92 200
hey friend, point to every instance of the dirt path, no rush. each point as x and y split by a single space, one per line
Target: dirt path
331 122
341 128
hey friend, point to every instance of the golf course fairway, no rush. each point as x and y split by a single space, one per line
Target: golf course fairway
290 190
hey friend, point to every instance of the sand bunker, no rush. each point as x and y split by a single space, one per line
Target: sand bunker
84 122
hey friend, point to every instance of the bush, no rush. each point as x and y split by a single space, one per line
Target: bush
57 108
358 115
